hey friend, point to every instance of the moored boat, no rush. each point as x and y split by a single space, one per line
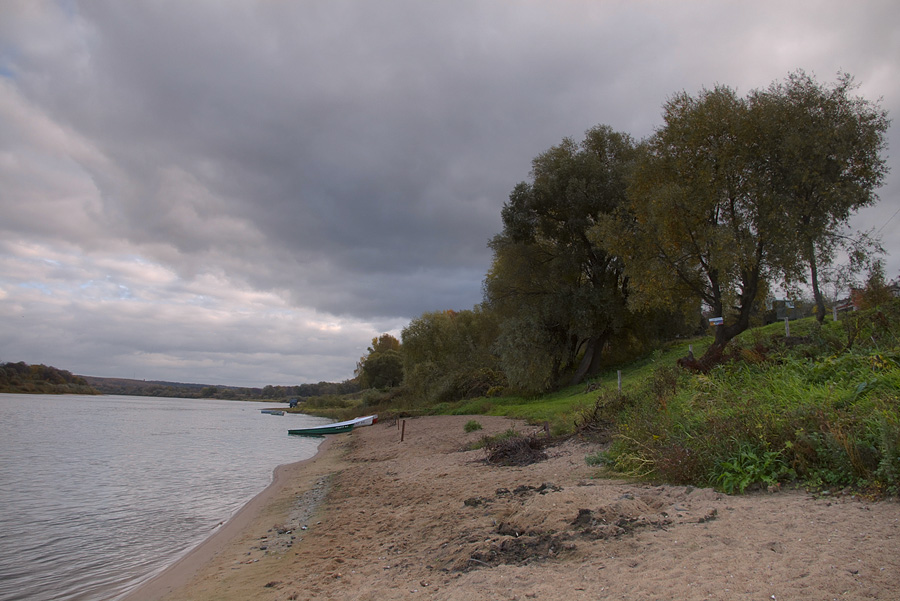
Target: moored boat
335 428
322 430
364 421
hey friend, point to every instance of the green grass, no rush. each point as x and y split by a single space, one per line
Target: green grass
813 409
821 409
563 407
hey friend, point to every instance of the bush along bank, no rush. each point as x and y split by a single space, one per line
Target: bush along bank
820 408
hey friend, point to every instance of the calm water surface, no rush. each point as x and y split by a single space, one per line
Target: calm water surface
97 494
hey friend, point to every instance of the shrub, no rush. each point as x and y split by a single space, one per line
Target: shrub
889 467
486 441
598 420
597 459
787 409
373 397
471 426
516 450
749 467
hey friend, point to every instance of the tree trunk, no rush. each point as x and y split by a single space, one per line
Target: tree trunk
814 278
724 333
714 353
590 361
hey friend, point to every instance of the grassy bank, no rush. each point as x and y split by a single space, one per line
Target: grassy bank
821 408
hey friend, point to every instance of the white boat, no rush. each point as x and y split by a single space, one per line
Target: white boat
337 427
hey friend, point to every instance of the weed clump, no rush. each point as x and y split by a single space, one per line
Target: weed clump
472 426
598 421
750 467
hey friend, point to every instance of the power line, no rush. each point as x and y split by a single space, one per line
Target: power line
887 222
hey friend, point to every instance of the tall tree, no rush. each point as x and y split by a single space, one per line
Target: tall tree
383 365
559 296
699 221
820 147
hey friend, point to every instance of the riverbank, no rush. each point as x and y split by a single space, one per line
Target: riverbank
297 490
423 519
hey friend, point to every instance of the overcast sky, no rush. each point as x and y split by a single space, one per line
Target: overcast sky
246 193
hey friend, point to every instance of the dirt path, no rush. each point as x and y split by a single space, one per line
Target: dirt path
423 519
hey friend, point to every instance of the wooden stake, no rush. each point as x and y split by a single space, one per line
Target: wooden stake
403 431
787 327
620 380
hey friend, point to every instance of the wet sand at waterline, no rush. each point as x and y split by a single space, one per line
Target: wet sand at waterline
374 518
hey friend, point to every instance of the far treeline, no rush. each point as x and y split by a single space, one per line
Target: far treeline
21 378
41 379
124 386
615 244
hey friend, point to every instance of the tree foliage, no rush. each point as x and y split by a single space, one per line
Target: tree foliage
610 242
877 290
731 196
821 151
382 367
448 355
694 224
41 379
559 296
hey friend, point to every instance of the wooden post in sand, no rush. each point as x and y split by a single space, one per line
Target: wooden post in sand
403 431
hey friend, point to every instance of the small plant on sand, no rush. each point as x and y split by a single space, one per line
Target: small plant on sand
472 425
749 467
599 458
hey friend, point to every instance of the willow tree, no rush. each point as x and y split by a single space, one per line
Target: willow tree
734 195
821 149
699 221
447 355
558 296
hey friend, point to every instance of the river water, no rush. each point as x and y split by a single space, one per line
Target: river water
98 494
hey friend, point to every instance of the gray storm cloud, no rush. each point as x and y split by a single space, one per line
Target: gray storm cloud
261 187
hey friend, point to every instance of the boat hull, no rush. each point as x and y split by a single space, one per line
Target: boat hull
336 428
322 430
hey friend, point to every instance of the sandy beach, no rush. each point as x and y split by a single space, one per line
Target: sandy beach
374 518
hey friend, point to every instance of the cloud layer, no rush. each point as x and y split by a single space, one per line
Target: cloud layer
248 192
